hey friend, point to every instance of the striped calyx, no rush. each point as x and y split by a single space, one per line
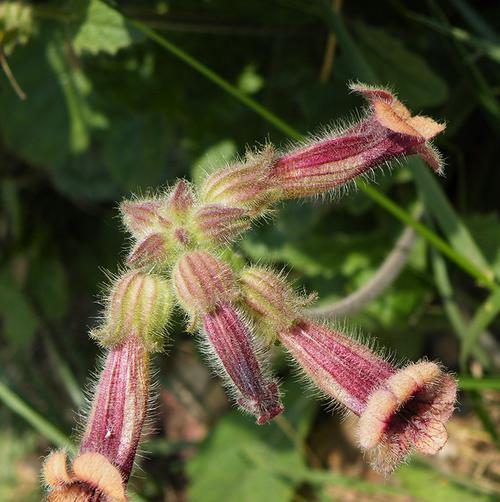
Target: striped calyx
202 281
244 185
269 299
218 223
139 304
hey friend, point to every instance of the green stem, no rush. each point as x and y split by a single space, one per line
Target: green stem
470 383
280 124
432 237
216 79
39 423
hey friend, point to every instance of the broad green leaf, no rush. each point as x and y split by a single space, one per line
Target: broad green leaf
102 30
76 88
28 127
57 119
18 321
401 69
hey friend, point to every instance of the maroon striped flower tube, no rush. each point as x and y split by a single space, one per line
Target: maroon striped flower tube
120 406
230 340
388 132
400 410
102 467
206 289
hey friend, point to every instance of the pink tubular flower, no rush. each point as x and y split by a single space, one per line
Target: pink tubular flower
389 131
117 417
206 289
400 410
230 340
103 465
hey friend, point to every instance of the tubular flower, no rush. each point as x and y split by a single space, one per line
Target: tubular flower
120 405
388 132
207 290
137 310
400 410
230 340
103 465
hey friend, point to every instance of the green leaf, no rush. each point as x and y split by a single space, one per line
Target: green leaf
57 118
103 30
232 464
471 383
19 322
76 88
415 81
37 421
484 230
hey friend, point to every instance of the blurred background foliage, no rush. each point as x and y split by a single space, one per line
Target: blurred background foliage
94 106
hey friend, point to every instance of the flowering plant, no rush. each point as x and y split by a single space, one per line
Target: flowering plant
181 255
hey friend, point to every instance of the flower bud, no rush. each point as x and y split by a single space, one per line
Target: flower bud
139 304
244 185
151 250
140 216
180 198
201 281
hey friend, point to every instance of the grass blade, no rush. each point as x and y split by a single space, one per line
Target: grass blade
476 22
451 308
39 423
485 314
470 383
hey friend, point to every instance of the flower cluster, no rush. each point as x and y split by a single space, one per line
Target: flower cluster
181 255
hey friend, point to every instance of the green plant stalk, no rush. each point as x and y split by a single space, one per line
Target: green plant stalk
216 79
39 423
484 315
451 308
377 196
470 383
